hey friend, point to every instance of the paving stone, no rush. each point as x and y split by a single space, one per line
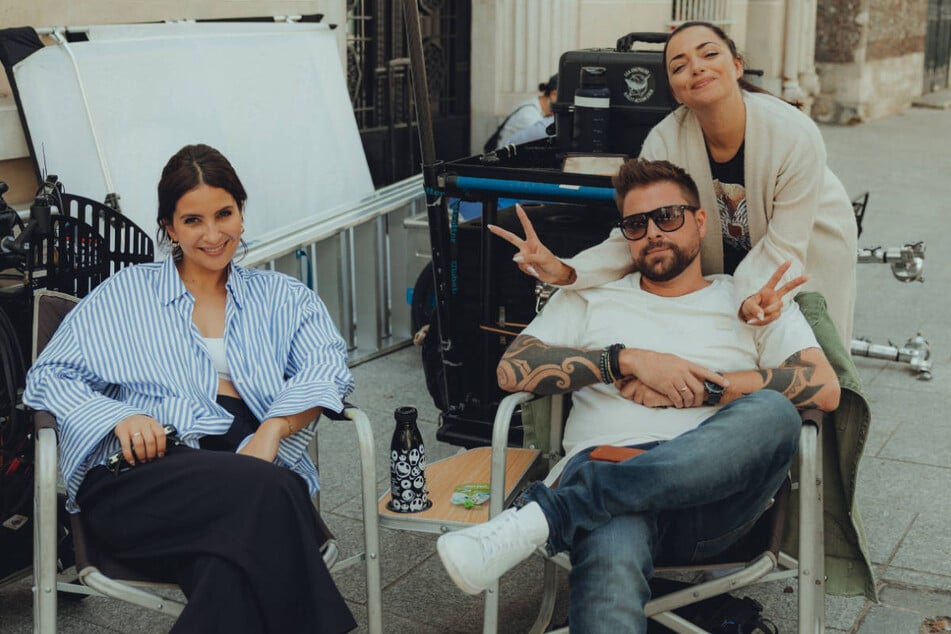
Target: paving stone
884 528
914 578
882 619
939 100
917 600
927 546
903 485
401 552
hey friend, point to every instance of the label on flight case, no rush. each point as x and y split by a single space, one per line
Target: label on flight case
640 84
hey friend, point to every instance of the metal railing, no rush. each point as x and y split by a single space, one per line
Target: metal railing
360 264
719 12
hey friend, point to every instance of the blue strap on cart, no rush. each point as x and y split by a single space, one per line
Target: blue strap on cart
528 189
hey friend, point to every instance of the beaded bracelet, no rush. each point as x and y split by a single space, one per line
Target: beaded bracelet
605 366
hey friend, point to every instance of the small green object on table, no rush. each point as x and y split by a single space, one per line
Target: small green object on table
470 494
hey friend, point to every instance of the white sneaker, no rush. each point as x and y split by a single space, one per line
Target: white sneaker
477 556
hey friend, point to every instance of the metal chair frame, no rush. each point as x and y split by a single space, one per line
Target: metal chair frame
94 581
809 567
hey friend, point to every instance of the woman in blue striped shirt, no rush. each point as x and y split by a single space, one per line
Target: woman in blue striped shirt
240 362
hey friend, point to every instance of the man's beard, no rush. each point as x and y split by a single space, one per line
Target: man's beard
669 265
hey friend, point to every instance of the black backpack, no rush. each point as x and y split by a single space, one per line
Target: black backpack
722 614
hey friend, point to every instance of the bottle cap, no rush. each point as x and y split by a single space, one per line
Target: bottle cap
593 77
405 414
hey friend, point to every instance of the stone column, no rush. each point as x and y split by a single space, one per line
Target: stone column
808 80
764 34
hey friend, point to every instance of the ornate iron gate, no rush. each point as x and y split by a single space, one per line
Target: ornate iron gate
937 45
378 75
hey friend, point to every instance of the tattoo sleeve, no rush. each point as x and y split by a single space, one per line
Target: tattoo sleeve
529 365
795 378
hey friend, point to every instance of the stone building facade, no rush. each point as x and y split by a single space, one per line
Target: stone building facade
850 60
869 58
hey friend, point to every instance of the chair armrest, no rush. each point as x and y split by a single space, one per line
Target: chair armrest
43 420
813 417
500 441
44 525
371 518
341 415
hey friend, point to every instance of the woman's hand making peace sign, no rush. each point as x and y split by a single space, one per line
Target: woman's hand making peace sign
765 305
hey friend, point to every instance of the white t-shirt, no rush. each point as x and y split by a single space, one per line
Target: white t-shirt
701 327
534 132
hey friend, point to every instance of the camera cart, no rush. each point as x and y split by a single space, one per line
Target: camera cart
69 244
484 299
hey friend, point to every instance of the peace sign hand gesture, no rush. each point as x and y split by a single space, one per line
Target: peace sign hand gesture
765 305
533 257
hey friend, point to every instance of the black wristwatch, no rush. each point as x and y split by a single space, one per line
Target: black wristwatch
713 393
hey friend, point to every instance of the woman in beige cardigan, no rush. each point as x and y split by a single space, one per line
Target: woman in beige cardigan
761 163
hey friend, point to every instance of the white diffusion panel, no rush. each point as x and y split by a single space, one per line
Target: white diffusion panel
273 100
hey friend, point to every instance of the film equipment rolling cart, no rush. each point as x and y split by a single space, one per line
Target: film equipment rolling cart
69 244
489 300
481 299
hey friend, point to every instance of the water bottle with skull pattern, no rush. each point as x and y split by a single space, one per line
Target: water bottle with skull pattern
407 465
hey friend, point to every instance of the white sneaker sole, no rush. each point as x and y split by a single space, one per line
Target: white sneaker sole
453 571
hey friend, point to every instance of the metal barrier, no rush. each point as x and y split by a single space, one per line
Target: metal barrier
360 264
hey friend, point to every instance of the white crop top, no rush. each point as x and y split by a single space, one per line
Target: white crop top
216 348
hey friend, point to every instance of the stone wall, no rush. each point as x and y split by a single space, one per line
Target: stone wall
859 92
896 28
869 58
841 30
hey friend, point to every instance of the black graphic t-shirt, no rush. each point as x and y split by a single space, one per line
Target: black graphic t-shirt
730 189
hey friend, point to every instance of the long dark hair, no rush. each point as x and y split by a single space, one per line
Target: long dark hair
726 39
191 166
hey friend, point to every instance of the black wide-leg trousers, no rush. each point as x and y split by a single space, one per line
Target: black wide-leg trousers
240 535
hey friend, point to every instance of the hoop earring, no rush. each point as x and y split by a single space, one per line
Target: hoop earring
244 249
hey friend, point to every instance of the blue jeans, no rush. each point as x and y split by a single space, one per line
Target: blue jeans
683 500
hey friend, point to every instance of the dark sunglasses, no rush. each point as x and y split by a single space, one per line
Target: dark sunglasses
667 218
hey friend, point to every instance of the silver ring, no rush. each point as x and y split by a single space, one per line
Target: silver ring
138 433
685 389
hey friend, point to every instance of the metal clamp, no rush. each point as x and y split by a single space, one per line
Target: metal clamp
908 262
916 353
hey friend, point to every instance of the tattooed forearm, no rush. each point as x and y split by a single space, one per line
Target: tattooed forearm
805 378
529 365
795 378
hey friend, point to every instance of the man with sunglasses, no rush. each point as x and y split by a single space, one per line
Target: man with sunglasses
658 361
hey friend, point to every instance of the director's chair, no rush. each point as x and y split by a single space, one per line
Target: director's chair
755 558
101 574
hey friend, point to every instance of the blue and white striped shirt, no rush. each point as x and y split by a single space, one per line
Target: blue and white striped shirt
131 347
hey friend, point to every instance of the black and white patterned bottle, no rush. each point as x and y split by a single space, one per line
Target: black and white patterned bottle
407 465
